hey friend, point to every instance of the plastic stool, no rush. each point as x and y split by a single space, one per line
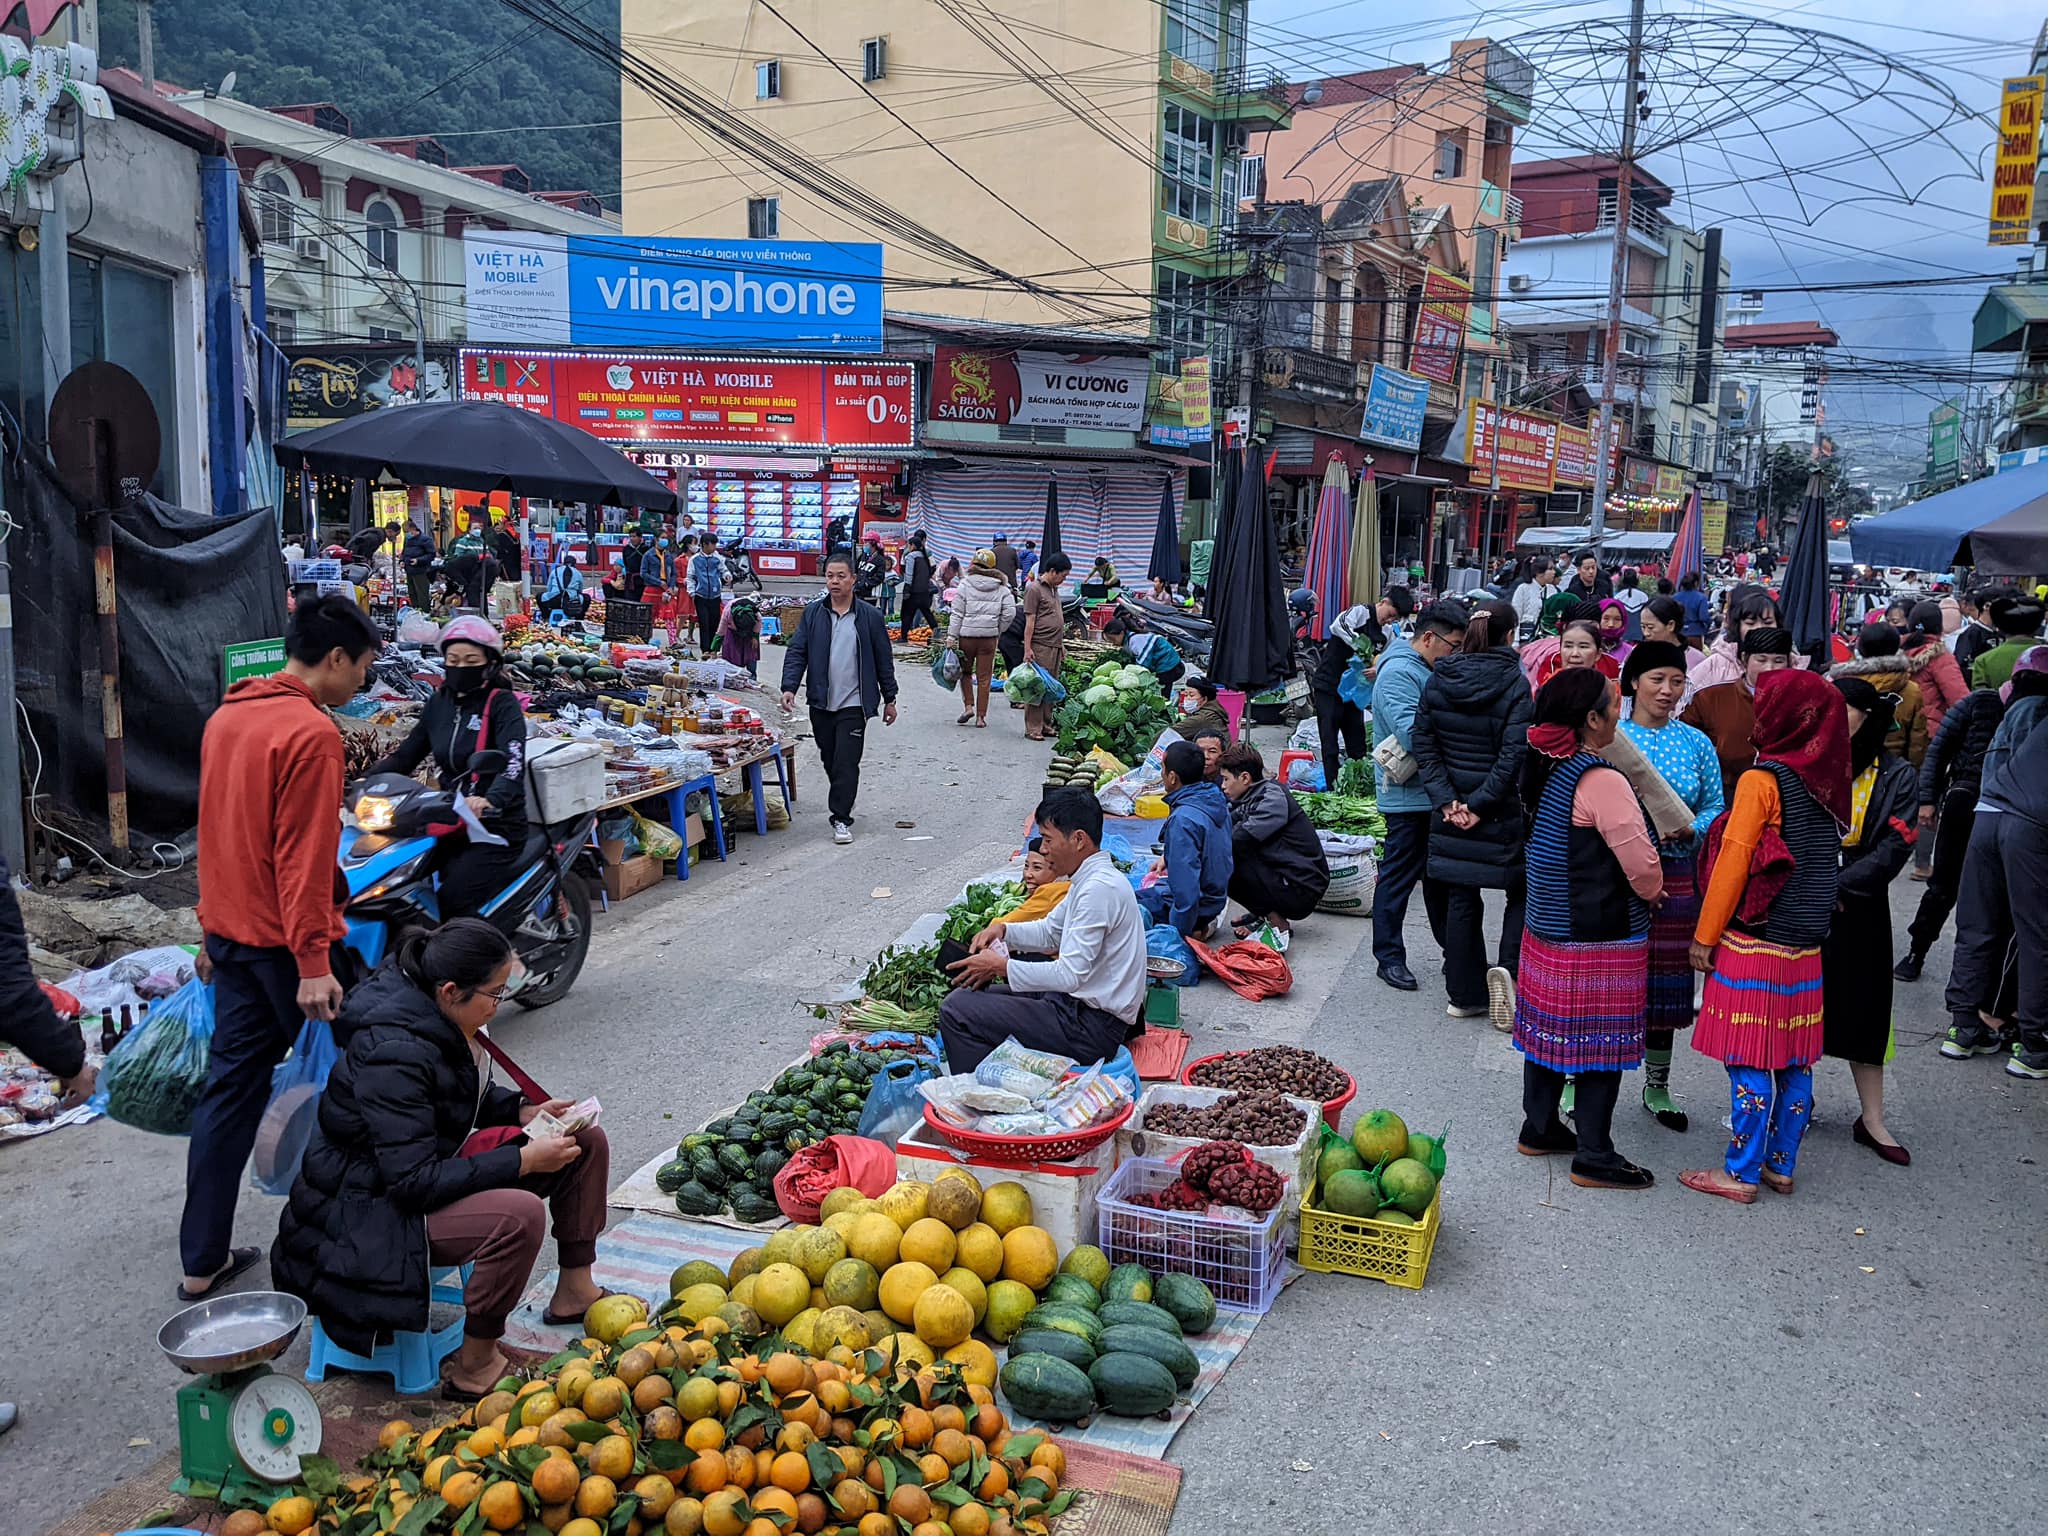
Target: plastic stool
1289 758
411 1360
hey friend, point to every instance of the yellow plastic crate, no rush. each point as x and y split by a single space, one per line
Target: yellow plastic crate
1358 1245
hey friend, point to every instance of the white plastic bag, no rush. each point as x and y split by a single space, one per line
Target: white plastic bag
1119 797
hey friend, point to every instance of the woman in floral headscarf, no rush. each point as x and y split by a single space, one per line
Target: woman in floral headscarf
1774 862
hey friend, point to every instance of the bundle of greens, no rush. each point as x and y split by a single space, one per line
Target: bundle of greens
909 978
1354 814
1355 778
978 907
1120 708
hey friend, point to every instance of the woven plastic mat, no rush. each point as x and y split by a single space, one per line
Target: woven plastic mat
1121 1494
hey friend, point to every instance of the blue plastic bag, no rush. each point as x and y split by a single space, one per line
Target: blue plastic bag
287 1124
946 668
1355 686
1163 941
153 1078
894 1104
1055 690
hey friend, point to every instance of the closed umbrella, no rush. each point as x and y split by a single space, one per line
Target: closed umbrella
1253 646
1367 568
1803 598
1688 553
1229 476
1049 539
1328 573
1165 565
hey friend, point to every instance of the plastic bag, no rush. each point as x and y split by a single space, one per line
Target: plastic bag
1027 685
894 1104
287 1124
1164 940
1248 969
1055 690
946 667
1354 685
154 1077
657 840
416 628
1120 798
1353 874
1029 1074
837 1162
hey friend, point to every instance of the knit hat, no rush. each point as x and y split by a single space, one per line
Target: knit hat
1764 640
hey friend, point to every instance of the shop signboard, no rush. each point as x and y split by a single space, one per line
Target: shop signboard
1944 440
1039 389
251 658
1440 325
1527 444
1713 527
1196 412
1394 403
1574 455
2019 154
671 400
524 286
324 385
1670 482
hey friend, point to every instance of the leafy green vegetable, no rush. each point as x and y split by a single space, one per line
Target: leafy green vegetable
979 906
1355 814
1355 778
909 978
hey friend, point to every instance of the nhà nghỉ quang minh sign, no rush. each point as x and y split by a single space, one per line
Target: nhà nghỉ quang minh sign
1713 527
1196 411
2019 155
685 401
1527 447
1394 403
1040 389
526 287
1440 325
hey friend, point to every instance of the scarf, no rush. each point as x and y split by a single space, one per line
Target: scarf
1558 741
1802 723
1860 791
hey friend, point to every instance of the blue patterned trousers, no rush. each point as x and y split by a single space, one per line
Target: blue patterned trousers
1771 1112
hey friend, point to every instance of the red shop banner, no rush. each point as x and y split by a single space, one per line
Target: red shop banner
1440 321
1526 443
672 400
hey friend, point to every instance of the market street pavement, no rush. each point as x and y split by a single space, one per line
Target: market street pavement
1865 1355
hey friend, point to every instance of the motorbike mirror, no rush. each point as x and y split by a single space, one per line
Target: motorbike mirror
488 762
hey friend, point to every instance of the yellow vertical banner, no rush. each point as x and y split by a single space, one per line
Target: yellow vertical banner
2019 155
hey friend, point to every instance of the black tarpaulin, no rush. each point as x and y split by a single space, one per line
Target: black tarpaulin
1254 647
188 585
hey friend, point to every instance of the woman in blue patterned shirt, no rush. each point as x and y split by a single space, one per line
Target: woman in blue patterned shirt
1654 682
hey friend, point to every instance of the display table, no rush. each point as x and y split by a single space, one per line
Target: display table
676 795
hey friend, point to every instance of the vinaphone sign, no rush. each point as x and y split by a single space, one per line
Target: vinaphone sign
618 291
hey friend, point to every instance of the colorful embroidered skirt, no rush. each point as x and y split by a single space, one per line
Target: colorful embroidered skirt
1580 1007
1671 926
1762 1005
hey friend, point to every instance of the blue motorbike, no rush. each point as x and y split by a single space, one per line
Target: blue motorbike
401 835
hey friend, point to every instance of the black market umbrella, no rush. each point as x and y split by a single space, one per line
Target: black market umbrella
1228 474
477 445
1165 564
1253 647
1803 596
1049 540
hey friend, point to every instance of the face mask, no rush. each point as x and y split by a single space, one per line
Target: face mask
465 679
664 543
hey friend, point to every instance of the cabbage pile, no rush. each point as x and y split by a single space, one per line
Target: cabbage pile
1122 710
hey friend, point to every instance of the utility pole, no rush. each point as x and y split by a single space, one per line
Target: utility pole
145 43
1610 346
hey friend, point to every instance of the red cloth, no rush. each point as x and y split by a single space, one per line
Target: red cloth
813 1172
1802 722
1247 967
270 786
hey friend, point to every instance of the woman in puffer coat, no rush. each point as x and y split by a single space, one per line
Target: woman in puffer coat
1878 662
1470 736
983 606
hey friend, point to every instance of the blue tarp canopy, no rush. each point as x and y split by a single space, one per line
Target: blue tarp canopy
1998 524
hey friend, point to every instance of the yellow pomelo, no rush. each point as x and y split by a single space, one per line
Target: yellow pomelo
1006 1207
700 1301
901 1287
780 1292
853 1283
956 1202
781 1248
976 1360
798 1329
1089 1262
1008 1304
906 1202
751 1262
842 1222
980 1248
817 1251
968 1284
1030 1257
930 1242
876 1240
839 1325
942 1316
845 1197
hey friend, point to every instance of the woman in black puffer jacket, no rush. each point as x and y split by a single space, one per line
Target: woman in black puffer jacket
1471 734
389 1190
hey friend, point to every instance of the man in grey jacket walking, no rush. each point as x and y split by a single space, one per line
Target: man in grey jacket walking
843 645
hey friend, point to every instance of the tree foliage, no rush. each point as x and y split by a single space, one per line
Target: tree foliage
475 74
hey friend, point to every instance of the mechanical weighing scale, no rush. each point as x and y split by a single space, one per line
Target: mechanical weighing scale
241 1427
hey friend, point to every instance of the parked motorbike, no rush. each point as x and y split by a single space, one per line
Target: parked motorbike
398 838
739 570
1191 636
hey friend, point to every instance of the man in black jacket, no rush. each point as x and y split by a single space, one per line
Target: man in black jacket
1278 868
417 559
1950 778
1588 580
843 644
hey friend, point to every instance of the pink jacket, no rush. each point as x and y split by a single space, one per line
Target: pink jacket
1941 680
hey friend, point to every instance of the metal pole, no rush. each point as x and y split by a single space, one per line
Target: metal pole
145 46
13 847
104 489
1617 279
53 271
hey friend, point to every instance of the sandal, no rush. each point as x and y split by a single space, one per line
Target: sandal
1711 1181
981 724
573 1319
239 1260
969 715
1780 1182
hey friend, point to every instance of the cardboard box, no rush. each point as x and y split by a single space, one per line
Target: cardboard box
1062 1194
611 850
693 831
629 877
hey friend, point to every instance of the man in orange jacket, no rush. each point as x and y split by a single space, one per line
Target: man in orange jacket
270 788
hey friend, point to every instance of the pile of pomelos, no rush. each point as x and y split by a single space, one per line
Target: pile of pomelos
701 1429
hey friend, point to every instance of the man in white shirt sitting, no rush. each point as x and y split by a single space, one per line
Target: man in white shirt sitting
1088 999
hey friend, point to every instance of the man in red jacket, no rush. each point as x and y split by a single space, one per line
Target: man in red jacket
270 787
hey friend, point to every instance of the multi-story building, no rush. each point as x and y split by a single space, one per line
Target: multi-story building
1773 395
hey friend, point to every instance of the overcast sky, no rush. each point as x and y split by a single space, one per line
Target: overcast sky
1919 213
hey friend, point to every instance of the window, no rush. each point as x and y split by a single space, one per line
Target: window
282 324
1251 178
1188 163
1671 444
1685 288
380 236
874 59
1699 447
1450 157
274 208
764 218
768 80
1193 28
1681 379
385 333
1182 320
1485 251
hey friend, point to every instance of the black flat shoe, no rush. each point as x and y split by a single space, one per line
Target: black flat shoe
1626 1176
239 1260
1908 969
1399 977
1895 1155
1555 1141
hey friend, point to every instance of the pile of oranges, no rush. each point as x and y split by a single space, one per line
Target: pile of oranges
702 1431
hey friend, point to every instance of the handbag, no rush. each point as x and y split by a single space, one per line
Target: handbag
1394 760
492 1137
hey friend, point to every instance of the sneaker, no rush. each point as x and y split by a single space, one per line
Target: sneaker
2017 1065
1908 968
1453 1011
842 832
1500 998
1964 1042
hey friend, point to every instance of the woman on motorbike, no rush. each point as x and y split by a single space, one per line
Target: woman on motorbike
470 713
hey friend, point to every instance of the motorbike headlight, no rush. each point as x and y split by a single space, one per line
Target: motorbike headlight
374 813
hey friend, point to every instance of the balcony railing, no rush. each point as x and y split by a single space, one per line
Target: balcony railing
1642 218
2030 399
1513 218
1252 80
1306 371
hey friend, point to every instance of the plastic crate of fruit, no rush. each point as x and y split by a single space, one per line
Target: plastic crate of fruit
1242 1261
1395 1252
1293 1160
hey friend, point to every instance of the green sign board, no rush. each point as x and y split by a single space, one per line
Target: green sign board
1944 439
251 658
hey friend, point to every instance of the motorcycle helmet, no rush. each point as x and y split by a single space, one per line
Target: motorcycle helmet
1302 601
477 631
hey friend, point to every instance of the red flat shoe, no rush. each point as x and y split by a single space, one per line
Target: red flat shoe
1711 1181
1891 1152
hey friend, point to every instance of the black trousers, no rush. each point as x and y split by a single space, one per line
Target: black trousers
1593 1101
2002 923
1339 720
914 604
255 1020
475 872
1404 854
1253 882
974 1023
1945 875
1464 941
419 588
709 611
841 734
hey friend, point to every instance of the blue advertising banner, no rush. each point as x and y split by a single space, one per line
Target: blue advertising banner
1393 408
618 291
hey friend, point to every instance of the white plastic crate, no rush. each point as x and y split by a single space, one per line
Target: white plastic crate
565 775
1242 1262
1295 1162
